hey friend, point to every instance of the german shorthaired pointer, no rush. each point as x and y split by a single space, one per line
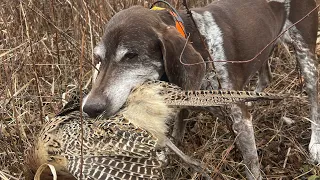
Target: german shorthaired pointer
140 44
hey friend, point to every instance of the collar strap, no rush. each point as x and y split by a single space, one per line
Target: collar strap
174 13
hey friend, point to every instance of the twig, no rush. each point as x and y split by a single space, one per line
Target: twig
286 159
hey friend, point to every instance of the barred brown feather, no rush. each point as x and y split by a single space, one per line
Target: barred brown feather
123 146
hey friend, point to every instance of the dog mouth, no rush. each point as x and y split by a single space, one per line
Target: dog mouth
109 97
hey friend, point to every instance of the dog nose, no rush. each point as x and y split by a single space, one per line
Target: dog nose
94 106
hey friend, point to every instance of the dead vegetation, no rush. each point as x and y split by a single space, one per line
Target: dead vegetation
45 52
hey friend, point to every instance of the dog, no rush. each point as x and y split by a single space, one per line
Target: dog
139 44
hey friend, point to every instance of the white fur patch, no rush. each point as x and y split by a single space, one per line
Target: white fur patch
214 38
314 146
84 100
120 52
100 51
95 73
286 36
287 6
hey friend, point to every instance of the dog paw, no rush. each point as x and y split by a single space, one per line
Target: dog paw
315 152
314 149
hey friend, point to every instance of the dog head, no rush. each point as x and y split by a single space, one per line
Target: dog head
138 46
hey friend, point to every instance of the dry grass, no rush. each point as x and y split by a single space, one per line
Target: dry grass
45 51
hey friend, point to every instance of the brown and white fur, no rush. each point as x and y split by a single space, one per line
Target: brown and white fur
140 44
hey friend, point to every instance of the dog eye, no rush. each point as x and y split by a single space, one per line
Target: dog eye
131 55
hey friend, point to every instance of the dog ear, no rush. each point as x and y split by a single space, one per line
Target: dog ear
174 46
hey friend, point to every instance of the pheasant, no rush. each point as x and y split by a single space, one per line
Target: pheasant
126 145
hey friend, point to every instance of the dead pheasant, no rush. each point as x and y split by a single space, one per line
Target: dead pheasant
125 145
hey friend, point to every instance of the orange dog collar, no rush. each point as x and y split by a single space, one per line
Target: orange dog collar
178 20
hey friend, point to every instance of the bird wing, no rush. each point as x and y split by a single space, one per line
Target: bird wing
114 167
111 148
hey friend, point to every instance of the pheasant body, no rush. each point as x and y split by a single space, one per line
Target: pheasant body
112 148
125 145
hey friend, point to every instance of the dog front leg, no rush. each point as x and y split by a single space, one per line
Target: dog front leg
310 75
307 61
243 128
